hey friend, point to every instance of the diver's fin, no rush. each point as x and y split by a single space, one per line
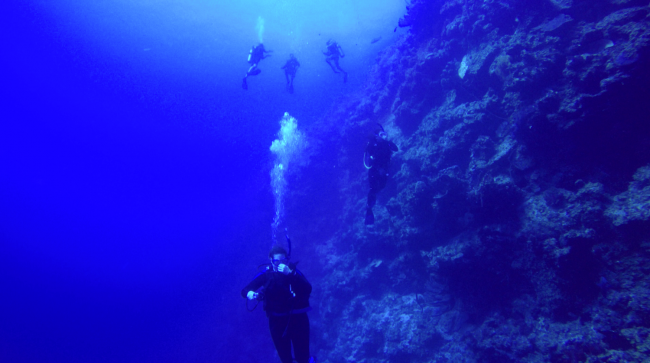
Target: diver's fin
255 72
370 218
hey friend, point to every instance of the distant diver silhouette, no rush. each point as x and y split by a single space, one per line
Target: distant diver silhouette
376 159
256 54
334 52
290 68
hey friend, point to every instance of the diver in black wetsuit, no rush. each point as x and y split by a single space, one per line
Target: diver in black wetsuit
334 51
257 53
377 159
290 69
285 292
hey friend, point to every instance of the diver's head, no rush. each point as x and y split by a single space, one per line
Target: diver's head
380 132
329 41
278 256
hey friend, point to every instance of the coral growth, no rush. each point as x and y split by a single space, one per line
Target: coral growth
515 226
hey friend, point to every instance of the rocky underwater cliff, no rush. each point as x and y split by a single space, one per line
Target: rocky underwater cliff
515 226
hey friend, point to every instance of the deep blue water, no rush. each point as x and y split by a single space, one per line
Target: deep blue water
134 186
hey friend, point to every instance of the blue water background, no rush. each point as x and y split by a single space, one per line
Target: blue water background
134 187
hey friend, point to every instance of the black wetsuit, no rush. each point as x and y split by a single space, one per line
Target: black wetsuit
334 52
255 56
378 151
286 302
290 69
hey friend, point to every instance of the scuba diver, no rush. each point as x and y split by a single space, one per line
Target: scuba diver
376 159
290 69
334 51
285 292
256 54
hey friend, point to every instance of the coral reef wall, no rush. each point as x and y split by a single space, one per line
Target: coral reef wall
515 226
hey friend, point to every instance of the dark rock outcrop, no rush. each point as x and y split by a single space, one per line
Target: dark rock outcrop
515 226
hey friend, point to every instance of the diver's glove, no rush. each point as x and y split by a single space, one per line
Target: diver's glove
284 269
252 295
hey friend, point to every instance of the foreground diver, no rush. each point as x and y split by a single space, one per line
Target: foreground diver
334 51
290 69
377 159
256 54
285 292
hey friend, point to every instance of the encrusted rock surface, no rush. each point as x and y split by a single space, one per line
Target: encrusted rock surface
515 226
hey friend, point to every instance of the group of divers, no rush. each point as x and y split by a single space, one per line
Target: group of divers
258 52
284 290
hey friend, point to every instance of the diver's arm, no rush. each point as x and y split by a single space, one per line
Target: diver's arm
341 50
371 146
368 154
254 285
300 284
